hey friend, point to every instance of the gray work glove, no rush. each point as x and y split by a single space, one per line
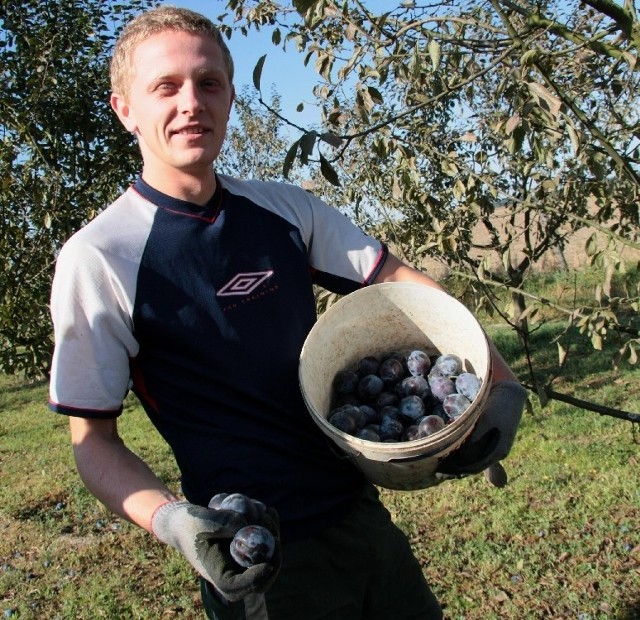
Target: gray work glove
494 433
203 536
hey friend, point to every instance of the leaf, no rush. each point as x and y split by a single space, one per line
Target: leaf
543 94
257 71
331 138
596 341
562 354
290 158
512 123
302 6
435 54
328 172
307 143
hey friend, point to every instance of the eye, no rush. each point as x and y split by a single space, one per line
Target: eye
211 83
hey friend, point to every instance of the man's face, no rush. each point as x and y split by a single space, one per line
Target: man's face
178 103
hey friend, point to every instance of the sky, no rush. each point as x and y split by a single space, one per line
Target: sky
284 71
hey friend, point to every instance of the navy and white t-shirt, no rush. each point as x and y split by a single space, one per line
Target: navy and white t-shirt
203 312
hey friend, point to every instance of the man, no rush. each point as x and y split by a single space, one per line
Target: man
195 290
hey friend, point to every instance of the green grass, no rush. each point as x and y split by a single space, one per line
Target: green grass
561 540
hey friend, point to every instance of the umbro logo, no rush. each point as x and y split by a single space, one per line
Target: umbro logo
244 283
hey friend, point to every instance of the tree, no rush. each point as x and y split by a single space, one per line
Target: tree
63 156
519 118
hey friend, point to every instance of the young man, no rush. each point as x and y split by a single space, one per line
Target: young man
195 291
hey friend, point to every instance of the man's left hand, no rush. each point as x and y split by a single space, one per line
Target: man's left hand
493 436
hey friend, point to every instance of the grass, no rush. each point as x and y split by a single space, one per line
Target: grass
561 540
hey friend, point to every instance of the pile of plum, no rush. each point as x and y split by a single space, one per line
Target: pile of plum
401 398
252 544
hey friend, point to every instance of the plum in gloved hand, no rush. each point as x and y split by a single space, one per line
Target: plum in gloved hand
203 536
494 433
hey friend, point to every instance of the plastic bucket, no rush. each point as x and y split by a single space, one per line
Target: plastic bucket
395 316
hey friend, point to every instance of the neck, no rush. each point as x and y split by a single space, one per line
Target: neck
195 188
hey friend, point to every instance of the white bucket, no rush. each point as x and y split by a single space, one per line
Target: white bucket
377 319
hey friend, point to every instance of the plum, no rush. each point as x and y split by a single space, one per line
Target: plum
468 384
370 387
413 385
368 366
418 363
237 502
344 419
386 399
370 414
253 544
412 407
455 405
448 365
411 433
391 429
430 424
346 381
391 371
441 386
369 433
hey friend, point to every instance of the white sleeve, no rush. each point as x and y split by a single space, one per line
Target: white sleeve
91 309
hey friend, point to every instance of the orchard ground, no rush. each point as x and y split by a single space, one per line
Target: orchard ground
561 540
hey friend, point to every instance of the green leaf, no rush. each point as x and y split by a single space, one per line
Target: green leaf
307 143
302 6
328 172
290 158
257 71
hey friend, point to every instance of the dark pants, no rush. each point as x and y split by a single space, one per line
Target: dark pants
360 569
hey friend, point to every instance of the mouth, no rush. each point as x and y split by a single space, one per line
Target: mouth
190 131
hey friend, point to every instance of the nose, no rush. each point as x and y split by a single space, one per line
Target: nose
190 101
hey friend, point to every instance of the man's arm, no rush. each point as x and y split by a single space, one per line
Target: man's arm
114 474
394 270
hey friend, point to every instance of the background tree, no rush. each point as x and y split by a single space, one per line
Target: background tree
62 154
522 119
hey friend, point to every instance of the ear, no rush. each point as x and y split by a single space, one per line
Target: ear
124 112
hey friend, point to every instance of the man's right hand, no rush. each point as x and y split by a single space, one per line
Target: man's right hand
203 536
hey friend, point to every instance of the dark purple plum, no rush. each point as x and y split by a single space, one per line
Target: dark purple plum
386 399
216 500
252 545
368 366
368 433
430 424
411 433
412 407
370 414
413 385
394 355
391 429
449 365
346 381
468 384
390 412
237 502
455 405
391 371
370 387
344 419
441 386
418 363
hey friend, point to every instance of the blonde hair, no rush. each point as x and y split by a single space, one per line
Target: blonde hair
153 22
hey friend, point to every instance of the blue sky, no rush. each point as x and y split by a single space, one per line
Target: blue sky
285 71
